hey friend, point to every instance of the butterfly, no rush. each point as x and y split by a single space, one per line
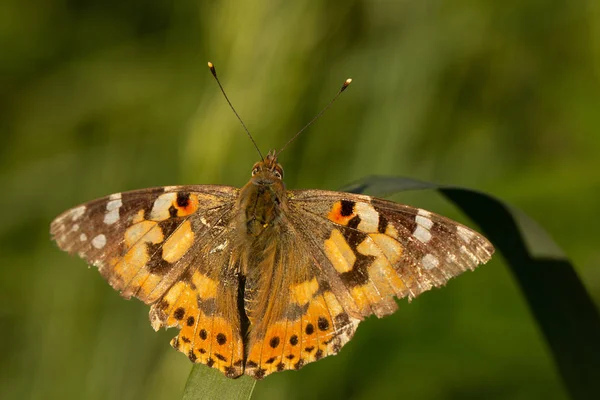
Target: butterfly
264 279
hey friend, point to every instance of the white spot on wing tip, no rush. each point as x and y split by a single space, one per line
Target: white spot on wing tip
430 261
465 234
99 241
116 196
83 237
77 212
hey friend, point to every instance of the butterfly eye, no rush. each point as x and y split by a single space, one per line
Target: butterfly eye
255 171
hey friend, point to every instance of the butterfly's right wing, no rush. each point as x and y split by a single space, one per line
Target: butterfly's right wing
341 257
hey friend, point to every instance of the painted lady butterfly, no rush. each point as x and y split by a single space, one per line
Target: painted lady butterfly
263 279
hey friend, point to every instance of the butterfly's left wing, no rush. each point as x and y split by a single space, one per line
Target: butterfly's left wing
342 257
170 247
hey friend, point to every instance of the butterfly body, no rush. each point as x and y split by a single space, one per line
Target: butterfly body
263 279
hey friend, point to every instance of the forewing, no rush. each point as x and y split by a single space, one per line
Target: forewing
167 247
382 249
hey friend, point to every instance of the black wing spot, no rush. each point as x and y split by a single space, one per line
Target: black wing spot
210 362
203 334
192 356
319 354
221 339
183 199
271 360
354 222
179 313
185 339
299 364
294 340
190 321
230 372
309 349
274 342
280 366
382 225
251 364
323 324
347 208
260 373
173 211
342 319
309 329
220 357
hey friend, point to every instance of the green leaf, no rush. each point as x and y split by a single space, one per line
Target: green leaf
211 384
558 300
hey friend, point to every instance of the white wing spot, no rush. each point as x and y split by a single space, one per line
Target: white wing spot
160 209
425 222
465 234
422 234
369 218
83 237
75 228
116 196
99 241
77 212
430 261
112 210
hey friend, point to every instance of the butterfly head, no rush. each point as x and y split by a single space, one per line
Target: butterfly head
267 171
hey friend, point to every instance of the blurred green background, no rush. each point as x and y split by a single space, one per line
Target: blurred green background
98 97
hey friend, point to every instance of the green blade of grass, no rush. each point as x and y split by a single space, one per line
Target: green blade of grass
211 384
558 300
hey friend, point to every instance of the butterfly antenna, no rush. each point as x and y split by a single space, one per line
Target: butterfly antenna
347 83
214 72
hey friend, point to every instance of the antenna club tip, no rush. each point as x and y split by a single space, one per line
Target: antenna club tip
212 68
346 84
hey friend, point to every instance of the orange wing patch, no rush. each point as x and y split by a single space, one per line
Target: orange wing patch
178 244
341 213
206 335
364 253
321 330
